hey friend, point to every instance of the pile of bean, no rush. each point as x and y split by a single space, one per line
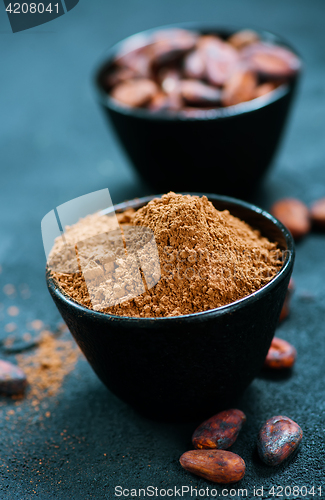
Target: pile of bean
181 71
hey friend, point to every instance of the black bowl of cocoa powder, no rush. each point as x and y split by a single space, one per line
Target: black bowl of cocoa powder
199 145
188 366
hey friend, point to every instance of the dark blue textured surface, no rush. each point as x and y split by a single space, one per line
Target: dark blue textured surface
54 147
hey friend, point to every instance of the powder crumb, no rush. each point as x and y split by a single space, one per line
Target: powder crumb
208 258
47 366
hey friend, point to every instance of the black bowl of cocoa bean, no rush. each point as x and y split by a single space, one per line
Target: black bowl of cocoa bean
196 107
186 366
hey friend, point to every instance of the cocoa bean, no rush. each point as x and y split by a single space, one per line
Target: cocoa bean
317 213
118 76
169 45
139 61
198 93
278 439
294 215
12 379
219 466
280 355
271 61
219 431
135 93
220 59
264 89
243 38
164 102
239 87
194 65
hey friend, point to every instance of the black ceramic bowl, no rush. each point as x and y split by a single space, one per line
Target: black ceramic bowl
189 366
227 150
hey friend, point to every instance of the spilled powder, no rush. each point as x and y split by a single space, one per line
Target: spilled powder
47 366
208 258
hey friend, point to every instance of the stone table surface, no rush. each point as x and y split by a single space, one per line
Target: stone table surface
55 146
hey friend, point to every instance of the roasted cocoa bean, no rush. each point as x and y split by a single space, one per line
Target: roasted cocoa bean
194 65
294 215
12 379
278 439
135 93
117 76
169 45
271 61
164 102
218 466
264 89
281 355
169 80
220 59
219 431
198 93
139 61
243 38
240 87
317 213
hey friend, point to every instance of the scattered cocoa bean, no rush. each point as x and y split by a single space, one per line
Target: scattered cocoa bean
197 93
219 431
278 439
317 213
219 466
281 355
135 93
294 215
12 379
240 87
243 38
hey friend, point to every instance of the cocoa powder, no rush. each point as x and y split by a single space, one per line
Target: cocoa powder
208 258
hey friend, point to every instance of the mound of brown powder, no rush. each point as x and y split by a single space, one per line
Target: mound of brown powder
207 258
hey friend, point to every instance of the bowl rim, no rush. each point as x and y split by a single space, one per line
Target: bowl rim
233 306
211 114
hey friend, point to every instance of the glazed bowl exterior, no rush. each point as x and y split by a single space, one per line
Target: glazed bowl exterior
226 149
185 367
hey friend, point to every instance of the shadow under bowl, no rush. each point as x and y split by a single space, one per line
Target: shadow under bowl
227 150
185 367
